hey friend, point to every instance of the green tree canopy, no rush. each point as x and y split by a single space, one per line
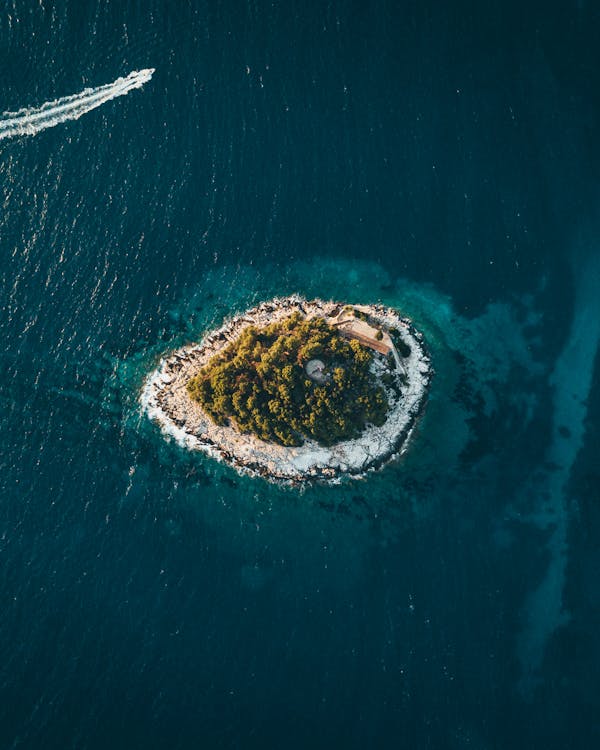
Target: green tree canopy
259 383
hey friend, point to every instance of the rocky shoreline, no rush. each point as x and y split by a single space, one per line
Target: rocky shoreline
165 400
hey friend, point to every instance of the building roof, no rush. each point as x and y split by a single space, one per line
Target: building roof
363 337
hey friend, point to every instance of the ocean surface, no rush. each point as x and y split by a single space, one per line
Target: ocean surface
443 158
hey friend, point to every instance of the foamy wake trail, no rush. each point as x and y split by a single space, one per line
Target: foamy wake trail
32 120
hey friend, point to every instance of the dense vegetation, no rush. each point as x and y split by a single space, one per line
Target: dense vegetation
259 382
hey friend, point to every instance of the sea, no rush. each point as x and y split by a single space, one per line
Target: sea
440 158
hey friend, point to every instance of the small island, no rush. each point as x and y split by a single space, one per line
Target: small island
296 390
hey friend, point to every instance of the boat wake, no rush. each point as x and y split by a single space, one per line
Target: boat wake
33 120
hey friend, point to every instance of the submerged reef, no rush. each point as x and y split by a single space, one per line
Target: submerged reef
294 390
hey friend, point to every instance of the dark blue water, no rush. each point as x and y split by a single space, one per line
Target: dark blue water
443 160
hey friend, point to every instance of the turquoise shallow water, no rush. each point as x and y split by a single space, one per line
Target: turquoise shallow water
440 161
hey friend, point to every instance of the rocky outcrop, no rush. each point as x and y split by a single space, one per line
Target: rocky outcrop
165 399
